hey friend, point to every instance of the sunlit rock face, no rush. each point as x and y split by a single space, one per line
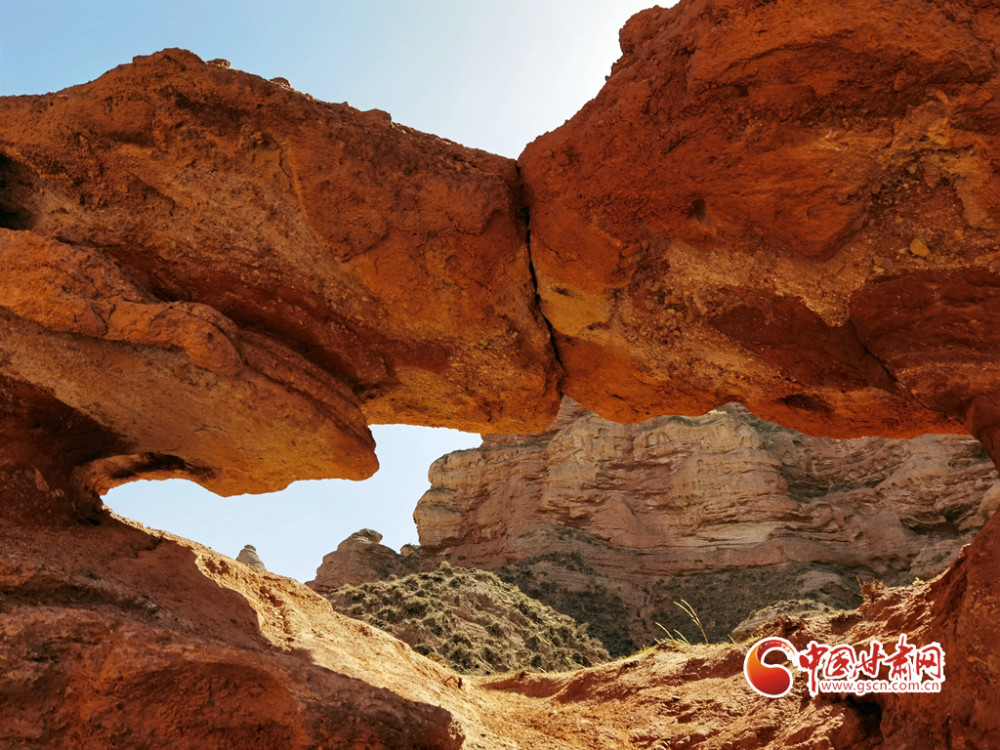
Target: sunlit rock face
718 491
790 206
206 274
232 279
726 511
359 558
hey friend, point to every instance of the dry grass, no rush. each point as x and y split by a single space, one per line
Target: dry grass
471 621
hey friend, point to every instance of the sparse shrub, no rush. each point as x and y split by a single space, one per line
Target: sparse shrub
415 606
469 620
389 615
462 658
432 623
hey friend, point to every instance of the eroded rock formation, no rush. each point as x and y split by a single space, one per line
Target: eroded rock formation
614 523
248 556
209 275
678 494
230 279
790 206
360 558
813 239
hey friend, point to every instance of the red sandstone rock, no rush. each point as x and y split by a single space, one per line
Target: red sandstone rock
740 210
114 637
791 205
231 278
175 387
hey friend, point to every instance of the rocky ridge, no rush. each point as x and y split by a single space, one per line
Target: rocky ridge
209 275
613 524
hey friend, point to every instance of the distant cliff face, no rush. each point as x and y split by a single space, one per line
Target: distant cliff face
726 511
707 493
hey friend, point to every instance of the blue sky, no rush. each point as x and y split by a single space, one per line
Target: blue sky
492 74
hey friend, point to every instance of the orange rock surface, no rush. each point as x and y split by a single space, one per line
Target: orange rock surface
205 274
741 210
232 279
115 637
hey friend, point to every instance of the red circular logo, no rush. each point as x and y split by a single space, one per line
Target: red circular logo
770 680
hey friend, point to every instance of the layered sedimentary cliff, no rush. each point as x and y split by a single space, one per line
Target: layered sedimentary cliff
725 490
209 275
613 524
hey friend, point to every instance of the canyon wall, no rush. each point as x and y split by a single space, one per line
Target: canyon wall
210 275
707 493
613 524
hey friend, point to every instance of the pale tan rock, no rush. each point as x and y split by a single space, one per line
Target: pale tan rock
248 555
651 509
718 491
361 558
